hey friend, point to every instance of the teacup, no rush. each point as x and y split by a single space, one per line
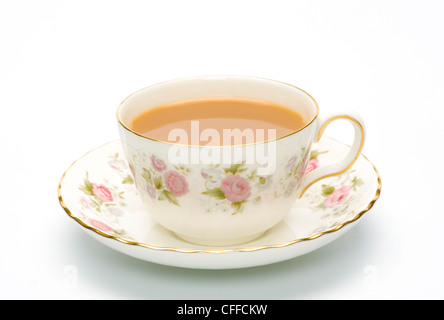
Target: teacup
235 200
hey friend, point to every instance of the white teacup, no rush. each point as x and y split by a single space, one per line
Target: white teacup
237 199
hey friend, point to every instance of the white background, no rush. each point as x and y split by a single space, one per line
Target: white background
66 65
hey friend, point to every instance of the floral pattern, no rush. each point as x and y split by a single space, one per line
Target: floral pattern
312 165
107 199
292 179
102 192
176 183
235 188
335 198
98 196
163 184
158 164
338 196
101 226
231 187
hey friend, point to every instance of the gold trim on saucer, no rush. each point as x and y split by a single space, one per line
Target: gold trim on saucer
213 251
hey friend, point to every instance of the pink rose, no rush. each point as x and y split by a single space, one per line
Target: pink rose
176 183
312 164
235 188
100 225
338 196
102 192
158 164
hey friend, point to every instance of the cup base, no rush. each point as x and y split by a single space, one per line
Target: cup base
219 242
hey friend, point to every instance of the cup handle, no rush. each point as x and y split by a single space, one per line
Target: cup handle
343 165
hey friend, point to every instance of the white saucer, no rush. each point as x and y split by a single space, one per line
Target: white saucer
327 210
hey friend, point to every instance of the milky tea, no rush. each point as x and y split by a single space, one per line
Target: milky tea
220 121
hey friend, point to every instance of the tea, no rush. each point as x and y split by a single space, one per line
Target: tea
221 115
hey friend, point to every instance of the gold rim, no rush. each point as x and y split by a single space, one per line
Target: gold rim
196 77
215 251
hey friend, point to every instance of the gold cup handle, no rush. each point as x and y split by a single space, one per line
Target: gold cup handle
343 165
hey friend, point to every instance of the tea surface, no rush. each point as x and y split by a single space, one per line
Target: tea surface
209 117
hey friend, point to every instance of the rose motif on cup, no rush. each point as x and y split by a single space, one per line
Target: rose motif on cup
163 184
235 188
176 183
232 187
229 187
158 164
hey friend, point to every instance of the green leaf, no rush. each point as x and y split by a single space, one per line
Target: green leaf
128 180
262 180
327 190
146 175
235 168
157 182
85 190
171 197
316 153
97 205
87 186
216 193
237 206
356 182
109 204
321 206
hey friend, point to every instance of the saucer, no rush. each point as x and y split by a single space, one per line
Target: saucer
97 191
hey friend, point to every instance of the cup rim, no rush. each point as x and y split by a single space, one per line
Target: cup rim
216 76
